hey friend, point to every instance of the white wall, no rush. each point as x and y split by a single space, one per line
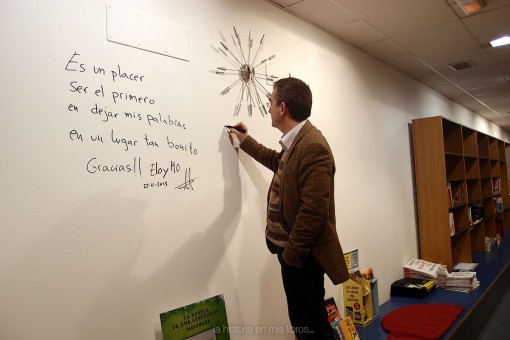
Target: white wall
97 256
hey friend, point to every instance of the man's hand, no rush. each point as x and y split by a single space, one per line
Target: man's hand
240 135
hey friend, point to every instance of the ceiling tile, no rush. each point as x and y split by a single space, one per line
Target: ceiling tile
404 62
505 68
413 17
384 49
421 72
479 92
500 96
366 8
451 91
500 55
434 37
285 3
435 80
476 73
501 119
473 105
483 83
489 23
483 67
325 12
356 32
502 110
451 52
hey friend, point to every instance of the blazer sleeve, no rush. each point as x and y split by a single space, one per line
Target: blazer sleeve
265 156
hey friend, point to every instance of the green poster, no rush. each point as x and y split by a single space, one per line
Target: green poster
204 320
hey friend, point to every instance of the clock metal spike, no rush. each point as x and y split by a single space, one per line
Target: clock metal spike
250 44
228 88
222 36
258 49
240 45
228 50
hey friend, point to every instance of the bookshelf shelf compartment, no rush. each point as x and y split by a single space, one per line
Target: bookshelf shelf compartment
470 142
467 161
474 190
472 167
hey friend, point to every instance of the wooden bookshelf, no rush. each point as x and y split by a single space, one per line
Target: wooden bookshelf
456 169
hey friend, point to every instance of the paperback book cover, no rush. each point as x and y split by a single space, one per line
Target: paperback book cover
352 259
334 317
496 186
420 269
203 320
348 330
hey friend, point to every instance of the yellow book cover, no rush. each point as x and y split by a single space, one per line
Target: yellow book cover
348 329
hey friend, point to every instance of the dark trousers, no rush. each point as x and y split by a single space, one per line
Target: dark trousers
304 288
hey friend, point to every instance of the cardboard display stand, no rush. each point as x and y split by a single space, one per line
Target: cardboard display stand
361 300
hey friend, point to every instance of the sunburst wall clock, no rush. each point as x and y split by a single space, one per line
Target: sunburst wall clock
251 74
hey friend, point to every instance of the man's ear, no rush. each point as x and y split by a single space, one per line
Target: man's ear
283 109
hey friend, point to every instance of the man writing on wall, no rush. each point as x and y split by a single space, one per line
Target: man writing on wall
301 227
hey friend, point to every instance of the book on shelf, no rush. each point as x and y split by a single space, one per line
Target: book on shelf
450 200
416 268
463 281
477 218
476 212
452 223
496 186
499 227
457 193
499 204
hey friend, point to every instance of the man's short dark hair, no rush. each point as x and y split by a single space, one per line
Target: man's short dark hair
296 95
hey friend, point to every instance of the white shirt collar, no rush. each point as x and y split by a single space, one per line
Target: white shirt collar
288 138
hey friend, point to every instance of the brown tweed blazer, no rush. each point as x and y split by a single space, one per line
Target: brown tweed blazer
307 200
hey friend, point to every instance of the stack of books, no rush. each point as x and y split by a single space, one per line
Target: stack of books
442 274
420 269
464 281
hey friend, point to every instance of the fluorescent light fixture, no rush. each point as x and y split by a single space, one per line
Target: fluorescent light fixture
470 6
500 41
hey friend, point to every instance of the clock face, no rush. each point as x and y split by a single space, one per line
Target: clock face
249 72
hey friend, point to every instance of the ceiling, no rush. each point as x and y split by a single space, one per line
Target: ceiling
421 38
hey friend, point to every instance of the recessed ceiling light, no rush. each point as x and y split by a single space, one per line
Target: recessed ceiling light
500 41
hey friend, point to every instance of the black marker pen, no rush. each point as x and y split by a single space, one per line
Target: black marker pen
235 127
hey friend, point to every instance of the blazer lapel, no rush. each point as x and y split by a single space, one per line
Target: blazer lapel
306 127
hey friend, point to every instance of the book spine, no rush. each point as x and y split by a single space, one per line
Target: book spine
452 224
